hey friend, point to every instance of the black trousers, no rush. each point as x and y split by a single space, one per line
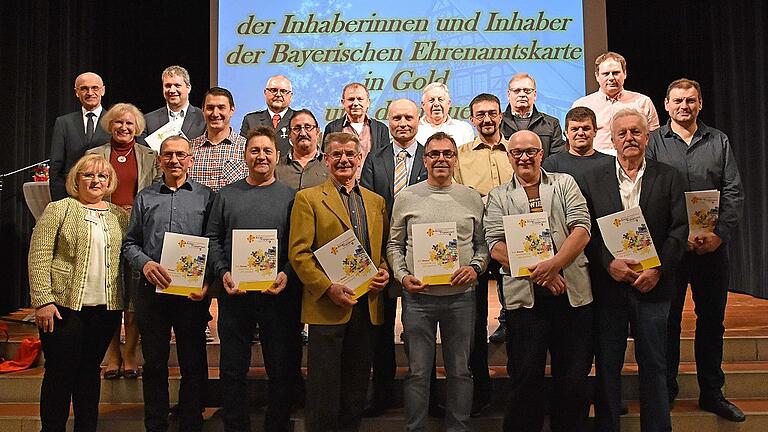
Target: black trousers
709 276
156 315
384 362
553 325
73 354
278 319
339 365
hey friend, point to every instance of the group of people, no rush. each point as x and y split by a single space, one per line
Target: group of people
96 252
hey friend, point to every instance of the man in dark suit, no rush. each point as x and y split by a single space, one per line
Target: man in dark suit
388 170
371 133
277 94
176 88
625 294
76 132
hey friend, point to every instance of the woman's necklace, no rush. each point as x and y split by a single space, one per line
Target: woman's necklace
122 158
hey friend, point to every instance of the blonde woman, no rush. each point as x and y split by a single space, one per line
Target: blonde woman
76 290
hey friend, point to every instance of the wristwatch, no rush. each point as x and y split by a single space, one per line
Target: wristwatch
477 268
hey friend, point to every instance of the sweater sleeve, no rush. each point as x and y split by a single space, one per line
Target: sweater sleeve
41 250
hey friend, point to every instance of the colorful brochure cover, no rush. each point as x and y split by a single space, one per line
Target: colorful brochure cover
345 262
703 208
529 241
626 236
254 259
184 257
169 129
435 252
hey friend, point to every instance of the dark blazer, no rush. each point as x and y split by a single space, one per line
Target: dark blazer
663 206
262 118
544 125
378 173
379 131
68 144
193 125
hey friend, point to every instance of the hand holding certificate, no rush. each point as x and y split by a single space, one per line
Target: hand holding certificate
703 208
528 241
626 236
435 252
346 264
184 257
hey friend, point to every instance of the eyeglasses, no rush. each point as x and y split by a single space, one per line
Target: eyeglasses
435 154
90 176
306 128
337 155
180 155
522 90
481 115
530 152
85 89
275 91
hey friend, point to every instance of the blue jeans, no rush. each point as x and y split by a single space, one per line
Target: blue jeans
649 329
456 316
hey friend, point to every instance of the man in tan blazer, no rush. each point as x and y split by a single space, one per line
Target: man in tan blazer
341 329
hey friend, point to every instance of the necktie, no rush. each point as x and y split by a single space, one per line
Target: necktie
275 120
401 171
89 127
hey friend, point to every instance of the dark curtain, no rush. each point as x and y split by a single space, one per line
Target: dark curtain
724 46
45 44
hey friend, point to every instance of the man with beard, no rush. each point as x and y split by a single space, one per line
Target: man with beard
521 114
436 105
387 171
303 165
627 297
277 95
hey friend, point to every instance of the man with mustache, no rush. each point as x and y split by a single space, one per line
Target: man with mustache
303 166
258 201
218 152
629 297
483 165
387 171
610 73
704 156
451 306
277 95
371 133
551 310
76 132
174 204
176 88
342 329
436 106
521 114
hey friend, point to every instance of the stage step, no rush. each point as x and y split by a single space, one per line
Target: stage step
744 380
737 348
686 416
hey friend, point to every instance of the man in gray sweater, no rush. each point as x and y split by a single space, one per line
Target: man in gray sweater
452 305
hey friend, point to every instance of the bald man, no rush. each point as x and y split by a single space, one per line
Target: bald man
277 95
388 170
76 132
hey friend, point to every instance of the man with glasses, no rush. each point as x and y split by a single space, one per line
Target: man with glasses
176 88
180 205
303 166
277 95
341 328
521 114
372 133
483 165
258 201
451 306
541 314
76 132
387 171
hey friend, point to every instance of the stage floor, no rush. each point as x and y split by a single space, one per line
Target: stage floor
744 316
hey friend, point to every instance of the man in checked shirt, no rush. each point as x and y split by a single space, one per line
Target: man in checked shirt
219 150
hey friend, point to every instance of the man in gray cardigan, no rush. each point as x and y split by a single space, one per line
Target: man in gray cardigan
552 308
451 305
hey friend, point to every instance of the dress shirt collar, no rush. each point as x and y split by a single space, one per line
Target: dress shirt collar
232 137
164 188
281 113
528 114
411 149
613 99
318 155
184 109
348 122
479 145
96 111
341 189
